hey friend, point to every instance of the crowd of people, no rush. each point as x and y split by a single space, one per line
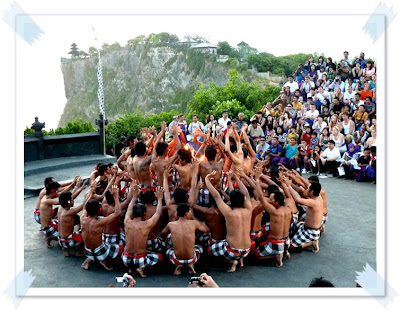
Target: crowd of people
225 188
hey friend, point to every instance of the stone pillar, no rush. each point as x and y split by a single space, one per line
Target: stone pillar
38 126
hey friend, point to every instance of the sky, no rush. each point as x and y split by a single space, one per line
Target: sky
40 86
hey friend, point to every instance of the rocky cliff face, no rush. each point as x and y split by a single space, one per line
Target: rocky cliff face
152 79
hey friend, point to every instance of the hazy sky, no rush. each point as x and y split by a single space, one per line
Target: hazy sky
40 87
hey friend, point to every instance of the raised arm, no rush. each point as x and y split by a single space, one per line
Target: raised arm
194 186
167 195
135 194
159 136
117 212
228 149
224 209
250 149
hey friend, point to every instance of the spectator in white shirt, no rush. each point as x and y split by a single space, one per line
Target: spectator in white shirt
223 122
322 94
292 84
307 85
319 125
194 125
349 96
311 114
329 160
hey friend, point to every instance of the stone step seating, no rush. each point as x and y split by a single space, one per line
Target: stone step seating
62 169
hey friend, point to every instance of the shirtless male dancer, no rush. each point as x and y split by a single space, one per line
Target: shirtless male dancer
238 221
280 217
184 169
92 232
46 206
139 167
159 163
154 242
184 251
112 233
63 187
206 168
308 232
67 238
137 230
213 219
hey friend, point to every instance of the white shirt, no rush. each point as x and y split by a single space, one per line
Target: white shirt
307 87
293 86
224 123
321 97
328 153
193 126
319 127
312 114
349 96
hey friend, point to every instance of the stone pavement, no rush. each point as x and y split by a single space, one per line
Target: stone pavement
348 244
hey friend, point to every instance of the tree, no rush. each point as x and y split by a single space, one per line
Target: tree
92 51
236 94
224 48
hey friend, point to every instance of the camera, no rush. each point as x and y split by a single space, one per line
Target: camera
196 280
121 279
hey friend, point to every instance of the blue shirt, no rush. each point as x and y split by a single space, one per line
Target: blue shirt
276 149
291 151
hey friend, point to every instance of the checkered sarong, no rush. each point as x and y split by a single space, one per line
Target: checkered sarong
112 238
272 247
296 217
144 188
204 198
221 248
255 237
176 179
103 251
36 213
324 219
181 262
304 235
203 239
156 245
122 235
71 241
51 231
224 181
139 261
265 229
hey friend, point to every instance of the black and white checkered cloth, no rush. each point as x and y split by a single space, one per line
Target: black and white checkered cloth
37 216
50 231
204 198
139 261
71 241
303 235
324 219
176 179
122 235
221 248
103 251
112 238
273 247
156 245
182 262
